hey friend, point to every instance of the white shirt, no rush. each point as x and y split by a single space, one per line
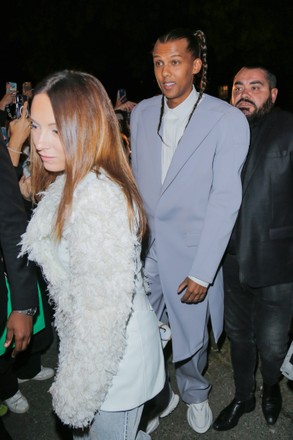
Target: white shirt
173 125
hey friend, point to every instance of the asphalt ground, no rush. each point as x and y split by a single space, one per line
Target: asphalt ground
39 423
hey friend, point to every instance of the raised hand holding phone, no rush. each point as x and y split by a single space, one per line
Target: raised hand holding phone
19 132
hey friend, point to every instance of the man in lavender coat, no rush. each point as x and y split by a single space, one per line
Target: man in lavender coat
188 149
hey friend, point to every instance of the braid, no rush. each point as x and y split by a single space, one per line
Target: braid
203 56
161 114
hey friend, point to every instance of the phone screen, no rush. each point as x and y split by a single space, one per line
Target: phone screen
122 95
11 87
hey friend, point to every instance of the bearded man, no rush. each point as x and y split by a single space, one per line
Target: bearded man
258 266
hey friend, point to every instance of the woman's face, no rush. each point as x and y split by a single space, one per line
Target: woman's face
45 134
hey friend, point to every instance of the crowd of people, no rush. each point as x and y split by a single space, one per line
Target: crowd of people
148 219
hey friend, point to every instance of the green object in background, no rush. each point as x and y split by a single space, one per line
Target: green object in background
3 410
39 319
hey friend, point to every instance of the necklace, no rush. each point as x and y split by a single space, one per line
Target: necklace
162 113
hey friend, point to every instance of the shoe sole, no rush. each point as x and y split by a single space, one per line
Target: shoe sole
22 380
35 378
153 425
172 405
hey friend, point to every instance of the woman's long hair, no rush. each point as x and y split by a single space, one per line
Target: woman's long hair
89 132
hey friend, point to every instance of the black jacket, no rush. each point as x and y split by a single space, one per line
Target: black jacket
13 222
264 228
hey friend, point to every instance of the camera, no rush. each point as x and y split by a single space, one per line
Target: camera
19 101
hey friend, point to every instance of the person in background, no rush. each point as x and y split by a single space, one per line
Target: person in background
27 90
8 106
188 149
27 365
22 277
85 234
18 133
7 100
258 267
123 109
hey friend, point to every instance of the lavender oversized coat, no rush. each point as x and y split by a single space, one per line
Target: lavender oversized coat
191 216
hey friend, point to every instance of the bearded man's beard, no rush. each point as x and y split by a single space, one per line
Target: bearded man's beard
260 112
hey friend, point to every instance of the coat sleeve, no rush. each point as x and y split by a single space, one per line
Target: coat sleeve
225 195
13 223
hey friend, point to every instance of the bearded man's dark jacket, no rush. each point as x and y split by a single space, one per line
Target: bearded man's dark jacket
262 238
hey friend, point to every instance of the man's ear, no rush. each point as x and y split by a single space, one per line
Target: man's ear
274 94
197 63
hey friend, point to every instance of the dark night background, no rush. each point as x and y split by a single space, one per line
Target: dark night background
113 39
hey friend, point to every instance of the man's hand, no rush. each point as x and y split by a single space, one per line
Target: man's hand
19 327
19 132
127 106
7 99
194 294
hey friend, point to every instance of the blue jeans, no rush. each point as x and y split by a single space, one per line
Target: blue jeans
121 425
257 321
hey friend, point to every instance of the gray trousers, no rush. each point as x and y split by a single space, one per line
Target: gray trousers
193 386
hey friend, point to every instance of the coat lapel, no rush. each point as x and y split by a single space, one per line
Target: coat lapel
200 125
255 154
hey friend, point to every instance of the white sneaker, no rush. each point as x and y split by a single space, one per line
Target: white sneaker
44 374
173 403
17 403
199 416
154 423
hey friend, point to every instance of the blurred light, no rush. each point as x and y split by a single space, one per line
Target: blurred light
223 92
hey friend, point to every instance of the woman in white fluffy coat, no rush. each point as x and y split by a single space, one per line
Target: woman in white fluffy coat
85 234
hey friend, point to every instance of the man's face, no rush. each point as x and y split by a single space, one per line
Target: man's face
175 68
251 92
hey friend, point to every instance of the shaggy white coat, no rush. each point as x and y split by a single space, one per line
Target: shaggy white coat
90 276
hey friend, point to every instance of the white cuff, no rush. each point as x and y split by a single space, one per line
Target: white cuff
200 282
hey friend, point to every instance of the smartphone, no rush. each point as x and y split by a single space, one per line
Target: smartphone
26 168
19 101
11 87
122 95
